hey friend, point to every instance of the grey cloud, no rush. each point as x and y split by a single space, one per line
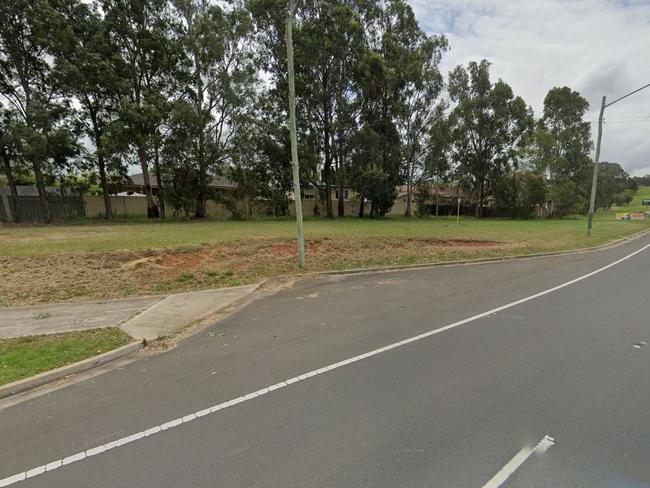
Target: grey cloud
598 47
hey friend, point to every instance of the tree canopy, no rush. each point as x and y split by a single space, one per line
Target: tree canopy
188 90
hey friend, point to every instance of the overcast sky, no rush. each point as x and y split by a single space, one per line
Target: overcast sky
597 47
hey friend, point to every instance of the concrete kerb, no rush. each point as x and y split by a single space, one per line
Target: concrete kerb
496 259
96 361
57 374
41 379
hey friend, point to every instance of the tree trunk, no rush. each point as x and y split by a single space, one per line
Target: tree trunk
409 192
327 173
362 205
15 210
341 205
108 207
152 208
9 216
316 200
201 197
42 194
199 212
437 201
101 164
156 162
479 199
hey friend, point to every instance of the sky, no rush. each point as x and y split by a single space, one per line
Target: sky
597 47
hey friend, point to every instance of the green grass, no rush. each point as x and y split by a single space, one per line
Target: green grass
143 235
23 357
99 260
635 204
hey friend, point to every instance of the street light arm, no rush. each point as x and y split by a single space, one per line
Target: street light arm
625 96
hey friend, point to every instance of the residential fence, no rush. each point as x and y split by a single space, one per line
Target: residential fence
61 208
92 206
351 207
136 206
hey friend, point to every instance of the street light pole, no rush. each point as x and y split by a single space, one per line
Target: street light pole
594 182
294 139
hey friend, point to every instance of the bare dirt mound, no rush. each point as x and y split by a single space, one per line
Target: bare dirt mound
100 275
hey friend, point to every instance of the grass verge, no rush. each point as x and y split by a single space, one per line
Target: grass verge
97 260
23 357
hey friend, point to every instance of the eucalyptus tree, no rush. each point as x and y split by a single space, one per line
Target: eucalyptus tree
437 166
489 126
146 57
567 145
85 66
219 90
329 45
43 115
416 57
398 83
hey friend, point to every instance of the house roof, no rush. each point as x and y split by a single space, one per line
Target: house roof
441 191
216 182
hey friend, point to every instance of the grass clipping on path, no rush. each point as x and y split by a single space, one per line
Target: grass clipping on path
23 357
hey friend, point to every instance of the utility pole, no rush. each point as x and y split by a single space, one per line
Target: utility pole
594 182
294 138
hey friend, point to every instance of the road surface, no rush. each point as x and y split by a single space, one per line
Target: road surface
517 374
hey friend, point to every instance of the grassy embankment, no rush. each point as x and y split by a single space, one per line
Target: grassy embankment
96 260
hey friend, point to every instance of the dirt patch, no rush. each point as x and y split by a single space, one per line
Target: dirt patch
455 242
139 263
101 275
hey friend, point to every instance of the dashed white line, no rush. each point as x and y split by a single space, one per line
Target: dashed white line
520 458
283 384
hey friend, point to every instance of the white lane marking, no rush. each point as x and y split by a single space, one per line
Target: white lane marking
283 384
520 458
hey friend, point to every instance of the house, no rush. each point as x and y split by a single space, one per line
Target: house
135 183
309 193
445 197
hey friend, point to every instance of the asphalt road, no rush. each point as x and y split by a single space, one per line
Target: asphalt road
450 409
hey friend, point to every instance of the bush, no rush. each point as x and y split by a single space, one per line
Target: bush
565 197
519 194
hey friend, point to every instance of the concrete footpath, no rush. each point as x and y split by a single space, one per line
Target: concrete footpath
182 309
142 318
66 317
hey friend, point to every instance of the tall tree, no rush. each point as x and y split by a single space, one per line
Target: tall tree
489 126
416 57
221 88
394 94
85 67
329 43
437 167
329 40
27 84
146 58
567 147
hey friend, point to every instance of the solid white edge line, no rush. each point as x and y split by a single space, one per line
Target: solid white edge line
515 463
283 384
